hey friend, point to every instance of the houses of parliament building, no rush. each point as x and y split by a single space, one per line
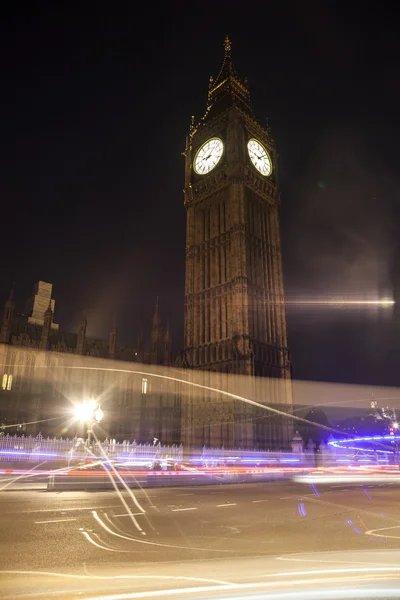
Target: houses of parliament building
231 383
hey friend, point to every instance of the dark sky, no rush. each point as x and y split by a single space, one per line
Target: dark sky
96 104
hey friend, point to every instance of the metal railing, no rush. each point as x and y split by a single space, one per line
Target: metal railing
15 448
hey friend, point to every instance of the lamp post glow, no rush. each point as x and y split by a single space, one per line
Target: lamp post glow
88 412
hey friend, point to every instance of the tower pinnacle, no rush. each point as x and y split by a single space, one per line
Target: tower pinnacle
227 88
156 316
227 45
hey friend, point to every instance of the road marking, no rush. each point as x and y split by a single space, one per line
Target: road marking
61 510
129 515
56 521
181 509
185 494
256 501
230 504
287 497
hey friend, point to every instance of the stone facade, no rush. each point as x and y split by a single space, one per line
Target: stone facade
33 394
40 388
234 300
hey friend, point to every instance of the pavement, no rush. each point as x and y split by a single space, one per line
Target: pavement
104 544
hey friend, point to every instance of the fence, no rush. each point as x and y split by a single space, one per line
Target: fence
19 448
36 449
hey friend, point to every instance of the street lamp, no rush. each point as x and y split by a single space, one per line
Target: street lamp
88 412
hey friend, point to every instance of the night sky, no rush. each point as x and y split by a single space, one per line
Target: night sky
96 104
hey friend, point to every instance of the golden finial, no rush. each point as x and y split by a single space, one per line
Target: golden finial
227 45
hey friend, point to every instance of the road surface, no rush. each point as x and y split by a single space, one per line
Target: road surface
57 544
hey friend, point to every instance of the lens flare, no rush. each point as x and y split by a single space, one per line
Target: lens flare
384 302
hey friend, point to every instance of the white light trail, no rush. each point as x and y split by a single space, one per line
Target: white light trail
148 543
114 577
385 302
89 539
384 535
345 478
315 581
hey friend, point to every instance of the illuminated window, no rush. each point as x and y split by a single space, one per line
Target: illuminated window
7 382
144 386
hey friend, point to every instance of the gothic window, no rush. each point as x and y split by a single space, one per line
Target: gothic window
226 318
219 300
203 333
208 321
7 382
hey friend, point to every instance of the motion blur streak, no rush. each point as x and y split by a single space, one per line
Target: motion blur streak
314 490
131 494
115 577
210 389
104 526
342 302
340 593
306 392
89 539
373 532
148 543
30 473
365 477
24 476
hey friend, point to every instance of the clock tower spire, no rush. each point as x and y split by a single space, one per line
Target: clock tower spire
234 300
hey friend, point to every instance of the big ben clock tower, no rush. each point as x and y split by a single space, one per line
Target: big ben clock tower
234 300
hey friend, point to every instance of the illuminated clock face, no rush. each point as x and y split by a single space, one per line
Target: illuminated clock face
208 156
259 157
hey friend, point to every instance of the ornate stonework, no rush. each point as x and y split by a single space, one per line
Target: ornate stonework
234 300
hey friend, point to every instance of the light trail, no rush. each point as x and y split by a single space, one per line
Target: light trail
360 575
114 577
109 549
148 543
384 535
210 389
132 496
202 387
342 302
32 422
338 478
